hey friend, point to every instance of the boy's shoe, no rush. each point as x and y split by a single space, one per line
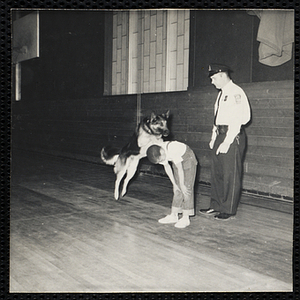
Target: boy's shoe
168 219
224 217
182 223
208 211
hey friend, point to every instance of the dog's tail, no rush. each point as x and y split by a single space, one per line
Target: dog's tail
109 155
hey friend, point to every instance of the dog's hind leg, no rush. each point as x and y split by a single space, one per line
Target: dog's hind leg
120 171
119 177
133 162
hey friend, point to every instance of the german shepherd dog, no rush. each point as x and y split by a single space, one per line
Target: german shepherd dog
125 161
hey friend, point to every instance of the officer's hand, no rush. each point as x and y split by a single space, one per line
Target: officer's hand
223 148
211 144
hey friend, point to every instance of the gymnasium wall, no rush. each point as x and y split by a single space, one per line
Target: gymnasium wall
79 128
73 128
63 111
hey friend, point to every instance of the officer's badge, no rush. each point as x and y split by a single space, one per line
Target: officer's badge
238 99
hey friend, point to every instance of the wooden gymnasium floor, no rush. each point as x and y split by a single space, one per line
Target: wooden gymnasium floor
68 234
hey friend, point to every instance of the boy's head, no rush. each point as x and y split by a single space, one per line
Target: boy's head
156 154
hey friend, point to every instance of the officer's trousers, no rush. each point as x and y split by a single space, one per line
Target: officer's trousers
226 174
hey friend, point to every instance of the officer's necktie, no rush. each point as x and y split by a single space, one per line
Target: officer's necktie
220 95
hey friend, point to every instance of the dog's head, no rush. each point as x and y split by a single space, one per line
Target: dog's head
158 124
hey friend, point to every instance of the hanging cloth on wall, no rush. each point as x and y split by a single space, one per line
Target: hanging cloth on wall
276 36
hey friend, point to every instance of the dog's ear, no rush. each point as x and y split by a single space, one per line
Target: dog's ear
167 114
153 116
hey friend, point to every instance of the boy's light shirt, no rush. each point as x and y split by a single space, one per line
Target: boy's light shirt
174 151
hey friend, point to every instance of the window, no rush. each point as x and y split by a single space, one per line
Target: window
149 51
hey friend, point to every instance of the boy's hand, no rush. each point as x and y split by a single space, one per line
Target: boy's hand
175 188
185 190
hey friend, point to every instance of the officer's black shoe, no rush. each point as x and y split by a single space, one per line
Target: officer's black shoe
224 217
208 211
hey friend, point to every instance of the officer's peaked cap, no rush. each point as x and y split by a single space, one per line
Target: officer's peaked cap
217 68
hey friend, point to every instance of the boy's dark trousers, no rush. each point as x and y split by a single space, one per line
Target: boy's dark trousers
226 174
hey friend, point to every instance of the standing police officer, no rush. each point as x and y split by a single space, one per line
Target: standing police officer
228 141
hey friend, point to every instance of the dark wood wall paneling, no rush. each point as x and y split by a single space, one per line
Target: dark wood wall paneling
81 133
71 128
270 156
